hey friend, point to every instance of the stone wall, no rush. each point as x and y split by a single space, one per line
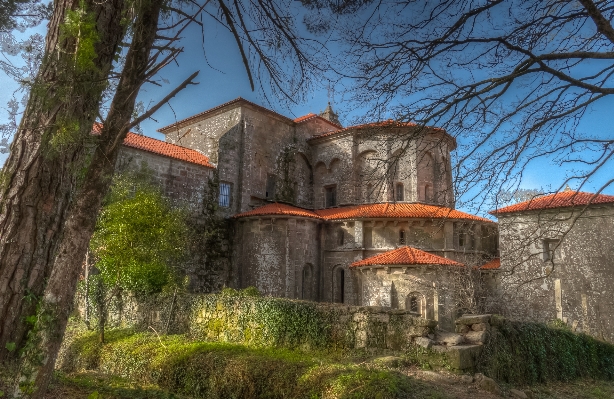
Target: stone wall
279 256
181 181
267 321
575 284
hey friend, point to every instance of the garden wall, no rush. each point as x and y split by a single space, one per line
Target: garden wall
241 317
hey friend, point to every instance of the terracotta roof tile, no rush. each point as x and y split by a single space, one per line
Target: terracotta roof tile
279 209
384 124
167 149
155 146
492 265
397 210
567 198
405 256
305 117
385 210
311 115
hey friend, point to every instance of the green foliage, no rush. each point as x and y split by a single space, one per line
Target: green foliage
10 346
527 353
139 237
219 370
248 318
80 27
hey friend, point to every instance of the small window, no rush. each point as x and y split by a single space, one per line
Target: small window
270 186
224 198
550 249
427 193
402 237
399 192
461 239
414 305
370 193
331 196
340 237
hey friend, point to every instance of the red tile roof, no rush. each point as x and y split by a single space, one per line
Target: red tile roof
567 198
405 256
279 209
492 265
166 149
383 124
305 117
397 210
385 210
311 115
155 146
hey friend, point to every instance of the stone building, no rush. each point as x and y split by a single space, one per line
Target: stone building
309 200
557 260
364 215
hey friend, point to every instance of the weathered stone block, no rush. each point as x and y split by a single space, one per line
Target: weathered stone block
423 342
449 338
476 337
462 329
469 319
487 384
480 327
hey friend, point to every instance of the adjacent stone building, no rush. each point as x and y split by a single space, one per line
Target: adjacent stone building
557 260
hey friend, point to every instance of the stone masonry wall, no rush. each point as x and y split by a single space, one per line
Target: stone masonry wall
576 285
279 256
181 181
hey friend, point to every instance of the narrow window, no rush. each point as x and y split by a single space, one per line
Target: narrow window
331 196
224 198
427 193
413 305
370 192
340 236
339 285
402 237
270 186
399 193
368 237
461 239
550 249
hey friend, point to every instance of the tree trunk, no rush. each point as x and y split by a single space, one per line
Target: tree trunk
56 304
46 158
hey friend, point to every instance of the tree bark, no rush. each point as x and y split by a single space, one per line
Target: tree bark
57 302
40 176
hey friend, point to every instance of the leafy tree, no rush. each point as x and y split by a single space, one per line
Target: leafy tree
57 173
139 239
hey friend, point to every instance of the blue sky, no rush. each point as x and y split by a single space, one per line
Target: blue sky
223 78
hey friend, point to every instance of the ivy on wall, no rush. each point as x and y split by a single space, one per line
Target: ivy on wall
527 353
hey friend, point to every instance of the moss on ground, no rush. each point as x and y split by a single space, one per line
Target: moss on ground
221 370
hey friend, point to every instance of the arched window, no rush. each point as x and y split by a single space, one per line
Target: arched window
340 236
415 303
339 285
306 289
461 239
399 192
402 237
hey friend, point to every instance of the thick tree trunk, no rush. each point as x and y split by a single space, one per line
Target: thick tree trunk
57 301
40 175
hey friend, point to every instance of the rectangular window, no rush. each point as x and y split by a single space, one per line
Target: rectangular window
270 186
550 249
330 196
399 193
224 198
402 237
